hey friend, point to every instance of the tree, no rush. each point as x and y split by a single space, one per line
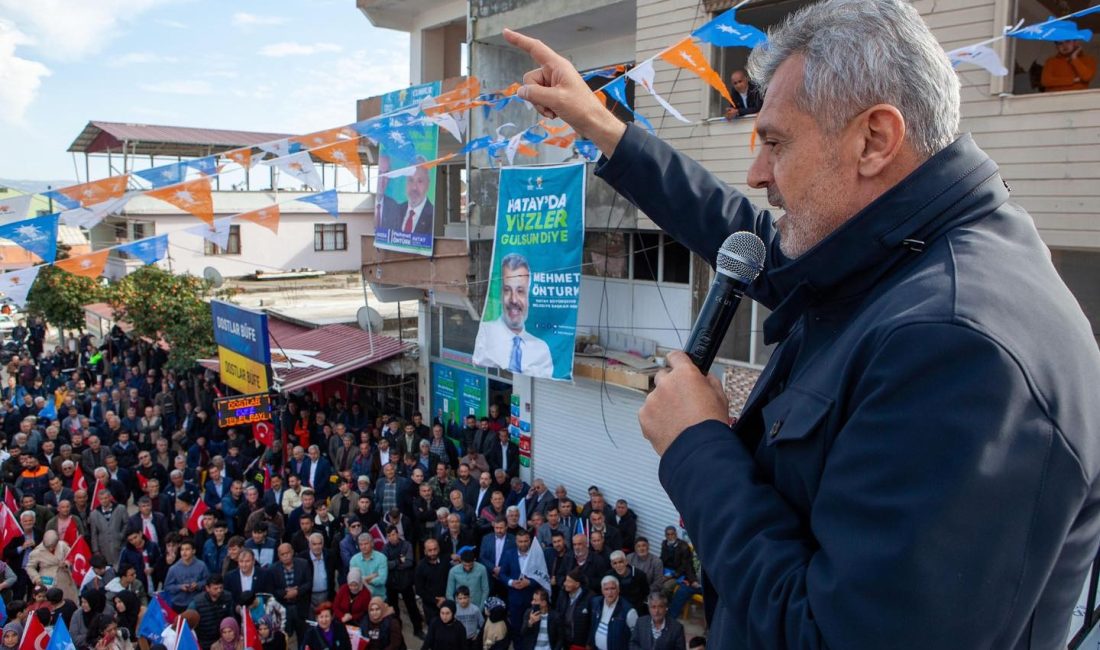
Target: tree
162 305
59 297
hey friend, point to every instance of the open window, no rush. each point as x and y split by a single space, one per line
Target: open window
1026 58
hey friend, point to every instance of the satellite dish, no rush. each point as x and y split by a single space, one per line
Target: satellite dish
211 275
369 319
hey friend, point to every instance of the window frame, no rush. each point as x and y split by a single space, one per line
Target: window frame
210 249
339 232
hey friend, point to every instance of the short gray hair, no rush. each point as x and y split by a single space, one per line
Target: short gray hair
858 54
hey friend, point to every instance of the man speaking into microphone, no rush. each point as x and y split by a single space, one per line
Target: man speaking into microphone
917 465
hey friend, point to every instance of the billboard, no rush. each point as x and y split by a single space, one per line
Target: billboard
458 393
244 350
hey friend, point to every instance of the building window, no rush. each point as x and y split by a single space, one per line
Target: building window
762 14
602 76
643 256
1026 58
450 192
233 246
330 237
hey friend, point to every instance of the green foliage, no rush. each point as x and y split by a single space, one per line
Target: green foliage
59 297
158 303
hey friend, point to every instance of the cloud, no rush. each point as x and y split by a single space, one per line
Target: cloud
19 78
245 19
297 49
68 31
180 87
134 58
332 91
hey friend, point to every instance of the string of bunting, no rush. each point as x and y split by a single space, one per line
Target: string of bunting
187 184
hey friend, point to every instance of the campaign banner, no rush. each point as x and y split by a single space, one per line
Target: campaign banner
529 323
458 393
241 330
404 212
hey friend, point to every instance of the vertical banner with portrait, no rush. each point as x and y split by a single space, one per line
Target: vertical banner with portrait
404 209
529 323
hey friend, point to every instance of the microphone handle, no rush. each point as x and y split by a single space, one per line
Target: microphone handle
714 321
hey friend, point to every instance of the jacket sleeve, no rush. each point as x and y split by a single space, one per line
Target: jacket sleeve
687 201
927 464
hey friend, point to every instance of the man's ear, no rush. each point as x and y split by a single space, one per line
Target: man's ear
882 130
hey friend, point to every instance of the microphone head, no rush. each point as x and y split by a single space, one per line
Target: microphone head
741 256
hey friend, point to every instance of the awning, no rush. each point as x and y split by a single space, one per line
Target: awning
314 355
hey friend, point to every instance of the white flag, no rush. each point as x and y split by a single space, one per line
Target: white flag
981 56
399 173
536 564
17 284
15 208
300 166
277 148
90 216
445 121
643 74
513 146
217 233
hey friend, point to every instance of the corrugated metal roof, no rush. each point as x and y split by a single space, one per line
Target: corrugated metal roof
319 354
152 139
280 330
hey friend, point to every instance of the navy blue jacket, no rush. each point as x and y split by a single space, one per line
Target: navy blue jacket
917 465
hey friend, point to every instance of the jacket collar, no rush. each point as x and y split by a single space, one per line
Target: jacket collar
957 185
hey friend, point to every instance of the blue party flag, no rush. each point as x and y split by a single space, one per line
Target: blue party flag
37 235
185 639
61 639
1052 30
62 200
49 411
326 200
617 90
588 149
725 31
147 250
154 622
478 143
163 175
207 165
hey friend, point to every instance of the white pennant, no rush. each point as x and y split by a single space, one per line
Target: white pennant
513 145
300 166
15 208
90 216
399 173
217 233
445 121
17 284
278 148
981 56
644 74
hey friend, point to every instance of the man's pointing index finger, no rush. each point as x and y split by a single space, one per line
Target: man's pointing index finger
539 51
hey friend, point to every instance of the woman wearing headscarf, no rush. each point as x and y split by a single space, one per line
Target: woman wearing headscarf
230 638
128 611
328 634
383 629
352 599
12 632
108 634
271 637
445 632
91 605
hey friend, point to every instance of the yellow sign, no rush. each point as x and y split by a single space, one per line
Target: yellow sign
241 373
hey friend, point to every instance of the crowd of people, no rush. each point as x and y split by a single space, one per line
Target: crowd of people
369 524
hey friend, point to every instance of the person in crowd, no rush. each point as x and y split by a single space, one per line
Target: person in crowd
471 574
647 563
655 631
382 629
352 599
229 638
445 632
271 637
186 577
541 627
430 580
633 584
1071 68
612 619
329 633
293 579
400 569
372 565
213 605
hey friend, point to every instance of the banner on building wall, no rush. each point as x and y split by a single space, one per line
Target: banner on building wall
244 350
530 319
458 393
404 211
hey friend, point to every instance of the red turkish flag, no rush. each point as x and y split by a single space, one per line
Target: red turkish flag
79 482
195 520
35 636
251 634
9 527
71 534
264 432
378 538
142 480
9 500
95 494
80 560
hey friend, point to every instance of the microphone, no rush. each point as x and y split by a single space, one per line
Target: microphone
740 260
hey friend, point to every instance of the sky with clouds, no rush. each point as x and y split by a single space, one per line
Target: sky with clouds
290 66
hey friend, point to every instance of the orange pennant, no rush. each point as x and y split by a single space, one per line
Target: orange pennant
345 153
602 96
431 164
554 130
525 149
242 157
563 141
192 196
510 90
97 191
686 54
89 266
460 98
267 217
321 138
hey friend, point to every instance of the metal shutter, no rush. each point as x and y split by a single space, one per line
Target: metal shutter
570 447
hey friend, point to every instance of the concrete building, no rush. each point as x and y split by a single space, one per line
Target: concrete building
640 290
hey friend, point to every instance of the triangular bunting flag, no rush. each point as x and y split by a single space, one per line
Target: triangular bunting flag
447 122
37 235
299 166
344 153
163 175
242 157
477 143
643 74
725 31
15 208
90 216
192 197
89 266
562 141
321 138
267 217
327 201
87 194
207 165
687 55
217 232
617 91
432 164
15 285
588 149
280 148
147 250
980 55
1052 30
458 99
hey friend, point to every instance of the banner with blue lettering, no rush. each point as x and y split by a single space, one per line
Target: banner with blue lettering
404 211
530 319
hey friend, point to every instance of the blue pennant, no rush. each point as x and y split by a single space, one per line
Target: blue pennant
1052 30
163 175
147 250
725 31
326 200
588 149
37 235
617 91
478 143
207 165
